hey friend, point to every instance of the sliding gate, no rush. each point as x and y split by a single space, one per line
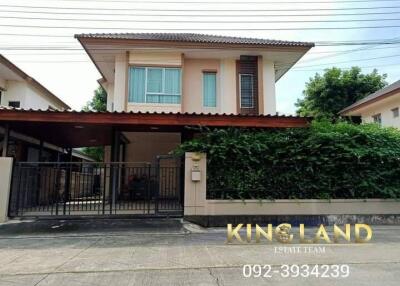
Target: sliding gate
97 189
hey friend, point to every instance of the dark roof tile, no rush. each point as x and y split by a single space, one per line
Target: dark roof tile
193 38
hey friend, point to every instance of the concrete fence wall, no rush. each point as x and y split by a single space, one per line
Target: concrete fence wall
5 186
196 204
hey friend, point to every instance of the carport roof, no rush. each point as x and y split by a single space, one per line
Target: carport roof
88 128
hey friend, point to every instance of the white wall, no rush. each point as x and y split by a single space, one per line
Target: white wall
384 107
28 96
15 91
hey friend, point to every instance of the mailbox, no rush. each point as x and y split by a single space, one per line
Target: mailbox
196 175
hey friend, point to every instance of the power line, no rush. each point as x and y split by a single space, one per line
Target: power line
227 2
371 66
201 21
199 10
317 43
186 29
82 52
344 62
201 15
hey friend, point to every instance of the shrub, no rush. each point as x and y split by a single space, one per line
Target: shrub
325 161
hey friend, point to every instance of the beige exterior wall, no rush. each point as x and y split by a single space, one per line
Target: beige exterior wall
193 85
228 86
154 107
5 186
120 82
145 146
269 99
155 59
384 107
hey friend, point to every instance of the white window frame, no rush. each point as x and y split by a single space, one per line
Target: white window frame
395 112
163 85
375 118
240 90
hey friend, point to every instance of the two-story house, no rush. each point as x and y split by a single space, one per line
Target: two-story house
187 73
157 86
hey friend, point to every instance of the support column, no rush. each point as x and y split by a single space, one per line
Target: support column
68 172
115 152
6 139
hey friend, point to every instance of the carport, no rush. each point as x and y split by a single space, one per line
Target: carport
116 186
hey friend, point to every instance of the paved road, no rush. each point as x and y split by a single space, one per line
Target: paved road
168 253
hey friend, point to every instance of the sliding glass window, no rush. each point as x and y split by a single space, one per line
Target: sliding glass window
154 85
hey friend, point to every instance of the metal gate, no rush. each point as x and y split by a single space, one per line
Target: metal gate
97 189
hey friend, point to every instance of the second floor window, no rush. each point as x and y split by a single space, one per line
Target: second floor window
155 85
395 112
209 89
246 91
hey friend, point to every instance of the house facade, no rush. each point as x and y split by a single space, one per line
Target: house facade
381 107
17 89
187 73
158 85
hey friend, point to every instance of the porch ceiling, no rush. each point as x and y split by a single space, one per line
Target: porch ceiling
82 129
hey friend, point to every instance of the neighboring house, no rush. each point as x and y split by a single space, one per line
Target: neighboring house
187 73
381 107
17 89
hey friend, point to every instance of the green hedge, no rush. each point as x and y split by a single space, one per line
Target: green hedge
325 161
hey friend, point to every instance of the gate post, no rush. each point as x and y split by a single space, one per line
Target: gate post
6 166
195 184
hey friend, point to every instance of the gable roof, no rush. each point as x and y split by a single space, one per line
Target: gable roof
386 91
6 62
195 38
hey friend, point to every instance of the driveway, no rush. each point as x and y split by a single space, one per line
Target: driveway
168 252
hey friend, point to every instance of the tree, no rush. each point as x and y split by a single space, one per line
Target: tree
98 103
325 95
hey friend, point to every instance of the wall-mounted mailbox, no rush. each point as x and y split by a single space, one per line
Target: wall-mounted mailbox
196 175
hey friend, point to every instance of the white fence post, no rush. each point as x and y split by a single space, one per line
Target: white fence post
6 165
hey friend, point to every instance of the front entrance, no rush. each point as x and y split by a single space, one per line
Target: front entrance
97 189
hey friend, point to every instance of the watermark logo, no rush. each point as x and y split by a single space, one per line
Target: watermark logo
283 233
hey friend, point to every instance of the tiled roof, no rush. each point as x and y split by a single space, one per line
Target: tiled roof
277 115
374 96
193 38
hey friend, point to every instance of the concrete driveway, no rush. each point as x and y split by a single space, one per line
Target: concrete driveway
167 252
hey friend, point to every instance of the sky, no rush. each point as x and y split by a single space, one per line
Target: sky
37 35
